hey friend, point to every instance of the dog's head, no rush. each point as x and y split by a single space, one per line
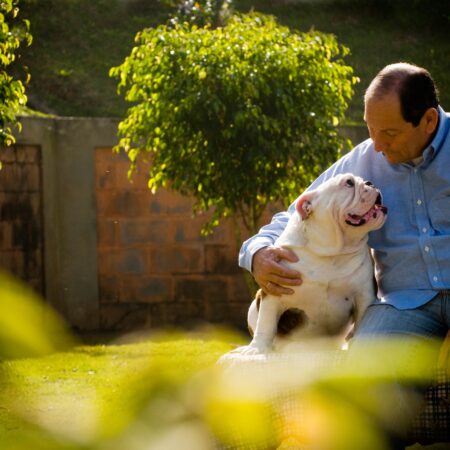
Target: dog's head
341 211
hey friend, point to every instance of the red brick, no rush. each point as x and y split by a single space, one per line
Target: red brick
202 289
136 181
139 180
240 289
114 204
107 232
145 231
104 266
35 200
188 229
174 203
107 154
180 259
105 175
124 261
125 317
28 154
109 289
130 261
11 177
32 265
145 289
12 261
8 154
20 178
221 259
6 236
33 179
223 234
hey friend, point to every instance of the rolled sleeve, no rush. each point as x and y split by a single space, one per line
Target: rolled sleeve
266 236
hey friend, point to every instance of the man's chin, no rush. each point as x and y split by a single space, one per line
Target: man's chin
393 160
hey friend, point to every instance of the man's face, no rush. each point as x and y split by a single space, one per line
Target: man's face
398 140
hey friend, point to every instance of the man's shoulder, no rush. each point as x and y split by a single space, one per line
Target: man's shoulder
362 150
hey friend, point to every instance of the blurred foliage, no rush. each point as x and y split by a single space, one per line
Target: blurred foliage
23 316
165 392
238 116
12 92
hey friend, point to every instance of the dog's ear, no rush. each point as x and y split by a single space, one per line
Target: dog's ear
304 205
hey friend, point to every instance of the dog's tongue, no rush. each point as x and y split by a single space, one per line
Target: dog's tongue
354 219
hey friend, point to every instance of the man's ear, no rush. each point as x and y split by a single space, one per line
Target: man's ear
304 205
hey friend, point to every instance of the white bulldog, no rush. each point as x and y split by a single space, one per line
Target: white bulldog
328 234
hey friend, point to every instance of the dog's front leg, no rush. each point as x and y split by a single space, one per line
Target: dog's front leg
266 327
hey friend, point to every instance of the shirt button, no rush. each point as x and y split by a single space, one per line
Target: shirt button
424 229
419 202
427 249
435 278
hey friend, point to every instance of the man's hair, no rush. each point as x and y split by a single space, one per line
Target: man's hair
413 85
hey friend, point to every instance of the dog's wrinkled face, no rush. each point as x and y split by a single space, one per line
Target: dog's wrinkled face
362 202
351 203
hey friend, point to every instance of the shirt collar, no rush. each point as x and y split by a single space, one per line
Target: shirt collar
433 149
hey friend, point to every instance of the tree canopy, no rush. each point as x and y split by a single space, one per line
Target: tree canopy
236 116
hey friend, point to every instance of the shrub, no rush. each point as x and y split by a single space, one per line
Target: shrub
12 92
237 116
201 12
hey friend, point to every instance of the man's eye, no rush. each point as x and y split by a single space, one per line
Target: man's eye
350 183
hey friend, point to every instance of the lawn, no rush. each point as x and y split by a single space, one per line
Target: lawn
86 397
160 393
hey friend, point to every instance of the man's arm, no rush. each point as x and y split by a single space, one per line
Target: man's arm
259 256
266 236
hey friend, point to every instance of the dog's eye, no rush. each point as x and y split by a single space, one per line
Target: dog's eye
349 182
368 183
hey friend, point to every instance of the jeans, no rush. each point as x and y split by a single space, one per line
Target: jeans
408 354
431 320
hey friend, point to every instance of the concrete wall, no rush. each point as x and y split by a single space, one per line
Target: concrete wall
115 256
69 211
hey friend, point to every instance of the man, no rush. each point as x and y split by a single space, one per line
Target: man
408 158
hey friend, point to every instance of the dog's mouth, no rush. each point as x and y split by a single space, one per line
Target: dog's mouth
356 220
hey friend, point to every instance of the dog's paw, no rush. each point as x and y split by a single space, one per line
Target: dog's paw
250 350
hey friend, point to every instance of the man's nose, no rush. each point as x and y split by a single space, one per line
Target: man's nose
379 144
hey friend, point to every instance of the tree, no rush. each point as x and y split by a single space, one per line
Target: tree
12 91
200 12
237 116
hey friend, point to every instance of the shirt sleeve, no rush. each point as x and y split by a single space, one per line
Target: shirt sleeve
266 236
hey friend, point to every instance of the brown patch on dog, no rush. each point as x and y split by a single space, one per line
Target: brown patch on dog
290 320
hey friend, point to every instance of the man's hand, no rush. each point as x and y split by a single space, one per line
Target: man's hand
271 275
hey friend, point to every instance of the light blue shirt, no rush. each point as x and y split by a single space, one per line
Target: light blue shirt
412 249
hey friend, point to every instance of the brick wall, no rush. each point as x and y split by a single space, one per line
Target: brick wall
21 236
154 266
106 253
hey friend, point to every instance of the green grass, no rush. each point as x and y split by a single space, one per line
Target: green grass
77 41
120 397
93 392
